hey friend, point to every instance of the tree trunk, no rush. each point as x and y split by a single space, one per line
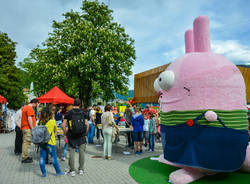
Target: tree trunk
86 94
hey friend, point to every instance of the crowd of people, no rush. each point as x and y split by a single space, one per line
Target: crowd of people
82 126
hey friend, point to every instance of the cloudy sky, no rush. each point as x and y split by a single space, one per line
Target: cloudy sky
157 26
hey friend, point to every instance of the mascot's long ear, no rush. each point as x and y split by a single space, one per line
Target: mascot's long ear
189 41
201 34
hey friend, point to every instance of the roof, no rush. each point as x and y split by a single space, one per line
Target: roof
2 100
55 96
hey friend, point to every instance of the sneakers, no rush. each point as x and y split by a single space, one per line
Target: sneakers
44 174
27 160
137 153
60 174
80 171
63 159
72 173
150 150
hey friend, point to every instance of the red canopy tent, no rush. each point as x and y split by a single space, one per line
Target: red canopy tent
2 100
55 96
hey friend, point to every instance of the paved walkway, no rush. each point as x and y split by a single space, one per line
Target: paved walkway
97 170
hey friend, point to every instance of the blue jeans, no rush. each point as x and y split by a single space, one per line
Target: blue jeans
65 149
52 151
151 141
91 133
146 136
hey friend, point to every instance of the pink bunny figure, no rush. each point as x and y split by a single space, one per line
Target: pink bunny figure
204 123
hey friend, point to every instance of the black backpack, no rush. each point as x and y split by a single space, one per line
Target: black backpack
77 126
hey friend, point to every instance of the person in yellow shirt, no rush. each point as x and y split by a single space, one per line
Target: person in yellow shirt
46 118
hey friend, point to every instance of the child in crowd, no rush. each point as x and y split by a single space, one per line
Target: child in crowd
145 129
137 121
122 121
158 125
65 149
152 130
98 123
59 116
47 119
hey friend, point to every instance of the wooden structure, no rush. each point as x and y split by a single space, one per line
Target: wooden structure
144 84
245 70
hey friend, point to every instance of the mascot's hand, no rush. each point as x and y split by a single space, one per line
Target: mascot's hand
211 116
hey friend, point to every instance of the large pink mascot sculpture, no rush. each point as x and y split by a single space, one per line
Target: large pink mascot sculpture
203 111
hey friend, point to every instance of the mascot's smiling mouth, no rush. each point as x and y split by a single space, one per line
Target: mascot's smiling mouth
174 100
187 90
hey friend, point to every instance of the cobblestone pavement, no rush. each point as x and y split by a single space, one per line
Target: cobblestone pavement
97 170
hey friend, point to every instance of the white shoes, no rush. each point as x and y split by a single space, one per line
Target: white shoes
80 172
71 173
63 158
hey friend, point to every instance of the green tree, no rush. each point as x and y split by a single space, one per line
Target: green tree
10 76
86 55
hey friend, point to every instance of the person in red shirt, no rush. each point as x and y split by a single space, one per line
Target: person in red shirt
146 111
28 122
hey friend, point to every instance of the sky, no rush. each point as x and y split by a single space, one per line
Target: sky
157 26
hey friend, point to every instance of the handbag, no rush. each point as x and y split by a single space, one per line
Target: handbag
110 122
115 133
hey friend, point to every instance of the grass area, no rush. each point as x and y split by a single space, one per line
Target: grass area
151 172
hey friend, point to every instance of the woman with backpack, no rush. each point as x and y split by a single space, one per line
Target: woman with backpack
46 119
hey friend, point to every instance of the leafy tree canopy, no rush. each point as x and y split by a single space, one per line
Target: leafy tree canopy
10 76
86 55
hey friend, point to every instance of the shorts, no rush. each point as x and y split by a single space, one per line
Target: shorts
138 136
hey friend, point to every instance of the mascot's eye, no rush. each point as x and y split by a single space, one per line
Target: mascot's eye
156 85
166 80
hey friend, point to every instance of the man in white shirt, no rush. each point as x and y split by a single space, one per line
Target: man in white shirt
19 134
91 132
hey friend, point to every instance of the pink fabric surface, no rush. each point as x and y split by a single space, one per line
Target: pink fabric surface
65 140
189 41
213 82
185 176
201 34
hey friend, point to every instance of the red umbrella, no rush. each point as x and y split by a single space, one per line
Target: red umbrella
55 96
2 100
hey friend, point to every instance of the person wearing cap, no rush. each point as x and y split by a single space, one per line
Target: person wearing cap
19 134
147 110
